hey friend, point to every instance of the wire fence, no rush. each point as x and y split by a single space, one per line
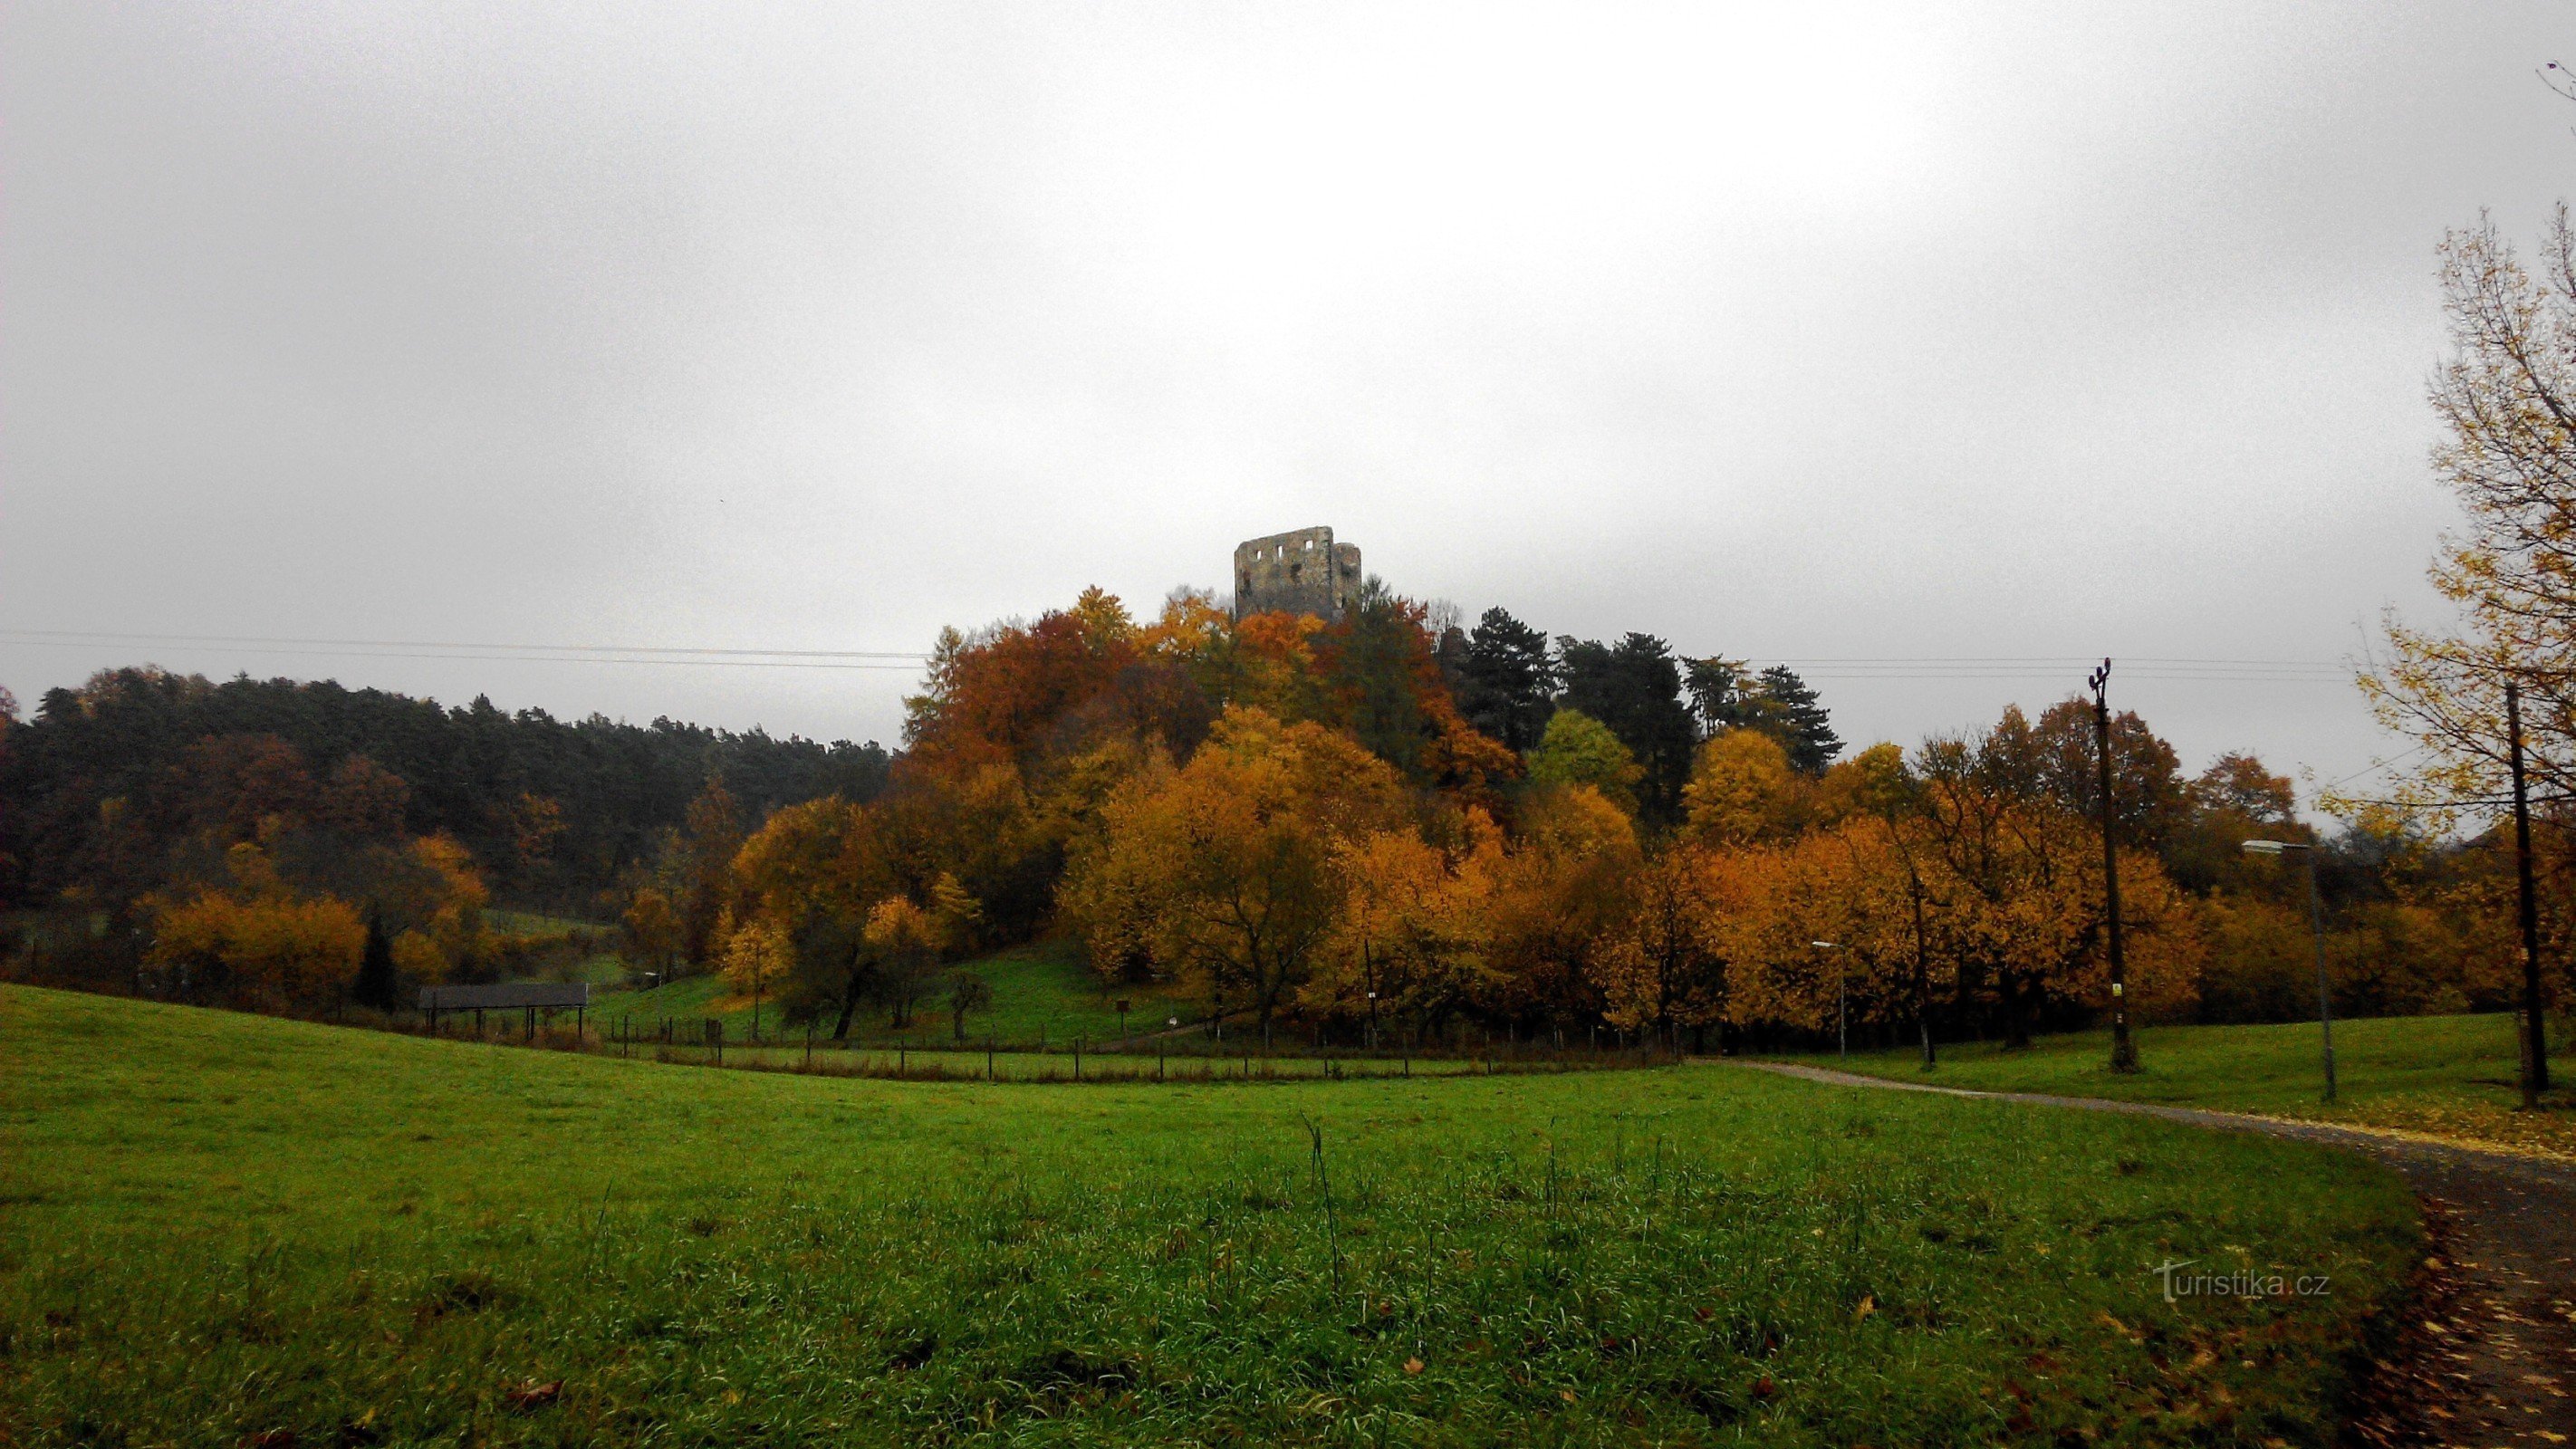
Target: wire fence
1169 1058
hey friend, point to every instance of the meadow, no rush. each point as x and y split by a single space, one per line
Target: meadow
1042 996
2446 1076
221 1229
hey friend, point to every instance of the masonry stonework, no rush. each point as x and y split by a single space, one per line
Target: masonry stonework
1303 572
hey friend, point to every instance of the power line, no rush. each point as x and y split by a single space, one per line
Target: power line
1898 668
71 636
657 656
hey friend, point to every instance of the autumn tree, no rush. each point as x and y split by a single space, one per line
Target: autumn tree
1557 898
905 942
1227 869
758 954
703 856
2023 907
2505 397
2506 401
649 932
1823 929
1743 790
1665 969
251 939
2234 800
1580 750
813 874
1409 942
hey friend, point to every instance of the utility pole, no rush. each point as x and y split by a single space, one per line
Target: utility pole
2124 1052
2535 1039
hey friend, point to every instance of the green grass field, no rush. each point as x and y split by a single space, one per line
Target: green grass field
1041 994
227 1230
2453 1076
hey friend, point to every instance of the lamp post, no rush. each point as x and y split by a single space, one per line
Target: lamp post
1372 1000
1842 998
2316 928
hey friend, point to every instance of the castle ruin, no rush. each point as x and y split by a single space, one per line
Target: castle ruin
1303 572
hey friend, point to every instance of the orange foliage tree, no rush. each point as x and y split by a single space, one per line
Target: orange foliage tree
1229 869
253 940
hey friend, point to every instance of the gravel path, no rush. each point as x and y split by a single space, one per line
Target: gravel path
2496 1349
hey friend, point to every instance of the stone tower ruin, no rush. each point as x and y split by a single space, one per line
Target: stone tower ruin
1303 572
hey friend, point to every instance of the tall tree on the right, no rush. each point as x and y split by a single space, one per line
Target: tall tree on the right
2506 402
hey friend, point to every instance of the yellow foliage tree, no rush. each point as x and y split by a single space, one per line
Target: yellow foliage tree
1742 790
1409 944
1229 868
253 941
757 956
1666 969
1557 897
905 942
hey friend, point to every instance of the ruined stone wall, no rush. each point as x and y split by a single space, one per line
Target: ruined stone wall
1303 572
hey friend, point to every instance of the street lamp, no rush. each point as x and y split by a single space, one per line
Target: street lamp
1372 1041
2316 927
1842 998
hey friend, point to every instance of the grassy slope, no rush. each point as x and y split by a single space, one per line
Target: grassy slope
1040 991
600 968
216 1226
2450 1075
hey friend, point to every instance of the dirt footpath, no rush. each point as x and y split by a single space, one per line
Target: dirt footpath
2498 1338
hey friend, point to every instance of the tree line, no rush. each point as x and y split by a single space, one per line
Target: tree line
1384 823
261 840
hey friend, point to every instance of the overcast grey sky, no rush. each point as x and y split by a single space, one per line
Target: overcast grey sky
1795 332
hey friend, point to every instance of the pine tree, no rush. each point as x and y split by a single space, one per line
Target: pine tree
1798 720
1635 687
1510 680
375 985
1721 694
